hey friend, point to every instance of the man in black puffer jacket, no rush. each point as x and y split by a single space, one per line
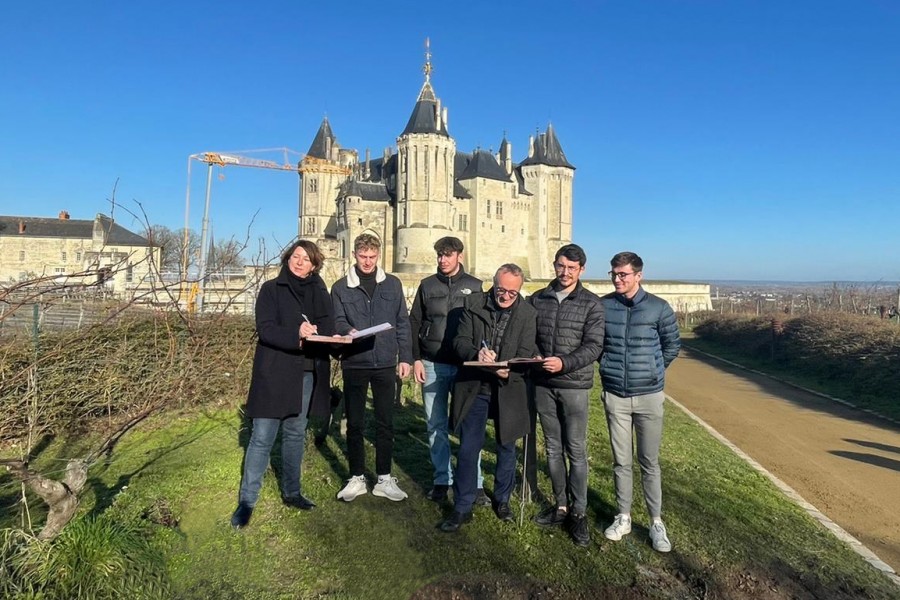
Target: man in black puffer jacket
570 338
641 341
434 319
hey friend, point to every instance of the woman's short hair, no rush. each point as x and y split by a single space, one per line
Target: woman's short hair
315 255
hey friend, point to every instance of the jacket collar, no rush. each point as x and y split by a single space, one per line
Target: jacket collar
353 278
451 278
550 290
638 298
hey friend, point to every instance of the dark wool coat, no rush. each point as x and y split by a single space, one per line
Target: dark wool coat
641 341
276 386
509 396
573 331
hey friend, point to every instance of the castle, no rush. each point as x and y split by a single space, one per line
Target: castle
502 211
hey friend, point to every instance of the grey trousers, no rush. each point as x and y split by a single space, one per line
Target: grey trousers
643 414
564 420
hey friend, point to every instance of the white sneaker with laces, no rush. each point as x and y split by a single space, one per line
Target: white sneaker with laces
387 488
659 538
621 526
356 486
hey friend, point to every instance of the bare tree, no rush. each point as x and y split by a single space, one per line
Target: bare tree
172 241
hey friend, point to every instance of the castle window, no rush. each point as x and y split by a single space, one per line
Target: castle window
489 209
359 222
405 252
129 273
499 209
78 256
59 270
21 256
463 222
310 225
503 229
523 231
65 256
313 185
403 216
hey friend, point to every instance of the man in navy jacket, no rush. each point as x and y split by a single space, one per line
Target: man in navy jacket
640 342
366 297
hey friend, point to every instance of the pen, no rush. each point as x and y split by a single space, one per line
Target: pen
484 345
305 318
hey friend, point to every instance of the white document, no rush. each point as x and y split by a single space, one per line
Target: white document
370 331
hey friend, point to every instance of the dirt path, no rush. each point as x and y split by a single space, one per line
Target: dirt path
843 462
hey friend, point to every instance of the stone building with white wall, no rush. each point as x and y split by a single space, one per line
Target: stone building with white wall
426 188
74 252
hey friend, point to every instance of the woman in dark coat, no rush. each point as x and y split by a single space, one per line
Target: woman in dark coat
290 378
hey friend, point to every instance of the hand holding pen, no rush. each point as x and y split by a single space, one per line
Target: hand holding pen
307 328
485 354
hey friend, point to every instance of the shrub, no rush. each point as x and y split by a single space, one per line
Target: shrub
93 559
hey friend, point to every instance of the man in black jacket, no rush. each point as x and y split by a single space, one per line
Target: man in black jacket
641 341
495 326
434 319
570 338
365 297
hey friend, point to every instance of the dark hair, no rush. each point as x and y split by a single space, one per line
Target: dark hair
448 245
623 259
572 252
315 255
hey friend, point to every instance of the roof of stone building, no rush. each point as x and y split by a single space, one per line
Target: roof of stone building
422 119
459 191
319 147
70 228
367 190
548 151
483 164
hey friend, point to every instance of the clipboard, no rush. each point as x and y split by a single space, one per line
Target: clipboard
351 337
512 362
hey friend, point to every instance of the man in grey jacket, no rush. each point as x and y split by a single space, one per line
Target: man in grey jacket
569 337
641 341
366 297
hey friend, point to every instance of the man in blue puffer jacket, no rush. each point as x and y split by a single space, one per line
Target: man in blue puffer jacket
640 341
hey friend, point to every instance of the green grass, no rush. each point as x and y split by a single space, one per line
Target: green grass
726 522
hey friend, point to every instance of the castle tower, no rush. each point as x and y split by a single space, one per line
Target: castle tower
322 171
426 155
548 176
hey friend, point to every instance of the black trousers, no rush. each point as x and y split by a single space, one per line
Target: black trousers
384 386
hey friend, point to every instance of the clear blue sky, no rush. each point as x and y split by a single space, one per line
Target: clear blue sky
744 139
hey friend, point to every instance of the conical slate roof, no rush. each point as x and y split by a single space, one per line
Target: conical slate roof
423 118
319 146
547 151
483 164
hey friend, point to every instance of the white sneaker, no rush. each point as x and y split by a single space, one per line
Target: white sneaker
621 526
387 488
356 486
659 538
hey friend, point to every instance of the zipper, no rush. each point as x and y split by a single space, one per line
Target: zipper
625 358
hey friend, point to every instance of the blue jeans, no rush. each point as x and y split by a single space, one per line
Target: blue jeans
293 442
564 419
471 441
439 379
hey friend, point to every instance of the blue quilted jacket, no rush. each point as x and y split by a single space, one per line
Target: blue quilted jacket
641 341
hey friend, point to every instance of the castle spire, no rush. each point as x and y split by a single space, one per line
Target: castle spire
427 68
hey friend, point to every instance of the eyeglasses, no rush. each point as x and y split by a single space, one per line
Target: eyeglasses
504 292
621 275
566 268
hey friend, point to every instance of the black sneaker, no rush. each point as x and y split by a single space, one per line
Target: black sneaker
300 502
551 517
438 493
241 516
504 513
481 499
455 521
579 530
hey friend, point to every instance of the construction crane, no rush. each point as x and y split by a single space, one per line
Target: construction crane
222 159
